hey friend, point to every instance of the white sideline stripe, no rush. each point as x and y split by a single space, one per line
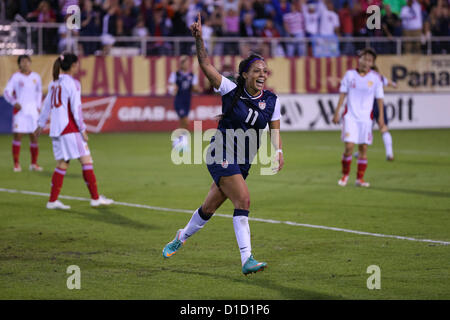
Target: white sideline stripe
143 206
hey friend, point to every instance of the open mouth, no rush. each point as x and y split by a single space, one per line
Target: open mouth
260 82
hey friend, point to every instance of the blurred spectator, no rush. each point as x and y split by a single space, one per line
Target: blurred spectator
329 21
44 13
246 28
346 23
217 26
231 29
437 24
194 8
260 17
392 27
273 47
207 33
312 17
281 7
109 24
162 28
294 25
412 25
179 26
90 26
246 7
140 30
231 5
129 16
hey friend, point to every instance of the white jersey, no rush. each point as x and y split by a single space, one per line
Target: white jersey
25 90
361 91
63 104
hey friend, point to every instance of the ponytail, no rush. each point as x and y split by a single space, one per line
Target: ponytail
56 68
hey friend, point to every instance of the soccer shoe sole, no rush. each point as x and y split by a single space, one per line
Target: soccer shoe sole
255 271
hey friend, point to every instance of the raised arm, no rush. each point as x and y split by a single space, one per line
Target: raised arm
214 77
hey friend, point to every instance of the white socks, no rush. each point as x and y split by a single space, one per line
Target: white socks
387 140
195 224
242 231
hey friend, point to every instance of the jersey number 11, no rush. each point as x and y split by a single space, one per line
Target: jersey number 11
250 113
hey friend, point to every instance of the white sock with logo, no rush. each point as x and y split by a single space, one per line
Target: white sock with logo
198 220
242 231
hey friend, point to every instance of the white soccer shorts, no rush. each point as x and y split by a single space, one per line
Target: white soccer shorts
24 123
358 132
70 146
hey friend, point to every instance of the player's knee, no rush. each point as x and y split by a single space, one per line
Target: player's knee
243 202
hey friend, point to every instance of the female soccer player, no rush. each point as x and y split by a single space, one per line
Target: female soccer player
67 130
181 84
362 86
246 106
24 92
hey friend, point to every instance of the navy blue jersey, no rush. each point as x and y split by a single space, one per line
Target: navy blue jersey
184 82
239 131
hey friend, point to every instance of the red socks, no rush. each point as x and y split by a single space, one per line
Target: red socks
91 182
57 182
362 166
16 151
89 178
34 149
346 162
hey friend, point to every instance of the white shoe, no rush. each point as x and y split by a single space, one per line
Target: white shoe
17 168
57 205
343 181
35 167
361 183
101 201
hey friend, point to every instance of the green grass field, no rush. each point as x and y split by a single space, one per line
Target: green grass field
118 248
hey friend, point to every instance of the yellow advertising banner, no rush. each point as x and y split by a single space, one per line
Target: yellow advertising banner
144 76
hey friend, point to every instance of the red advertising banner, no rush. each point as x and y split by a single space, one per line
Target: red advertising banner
121 114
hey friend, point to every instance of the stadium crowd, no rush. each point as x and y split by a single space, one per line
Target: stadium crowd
265 19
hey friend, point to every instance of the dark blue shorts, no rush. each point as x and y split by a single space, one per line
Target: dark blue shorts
182 110
226 169
376 112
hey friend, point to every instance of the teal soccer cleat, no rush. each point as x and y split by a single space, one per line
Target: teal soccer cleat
252 266
173 246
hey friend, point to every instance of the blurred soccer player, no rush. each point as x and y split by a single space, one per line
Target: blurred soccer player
24 92
245 106
361 86
181 84
67 130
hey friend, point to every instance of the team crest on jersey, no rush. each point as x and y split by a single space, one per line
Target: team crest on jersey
20 83
370 83
224 163
34 81
262 105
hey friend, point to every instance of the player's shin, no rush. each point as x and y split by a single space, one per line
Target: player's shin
91 181
34 150
198 220
57 182
242 231
362 166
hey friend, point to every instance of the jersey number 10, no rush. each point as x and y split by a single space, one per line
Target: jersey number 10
56 97
250 113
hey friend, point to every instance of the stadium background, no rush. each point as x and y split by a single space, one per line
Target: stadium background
124 88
